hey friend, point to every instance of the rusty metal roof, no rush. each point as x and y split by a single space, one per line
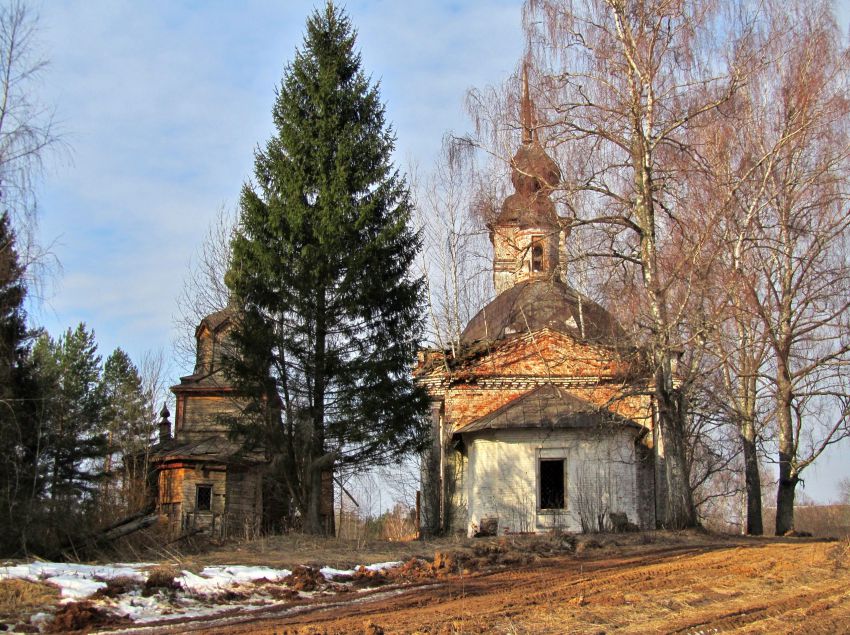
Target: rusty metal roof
213 448
213 380
547 407
533 305
524 211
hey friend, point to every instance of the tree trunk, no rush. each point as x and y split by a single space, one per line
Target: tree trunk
678 509
432 485
313 523
785 493
750 358
788 478
752 479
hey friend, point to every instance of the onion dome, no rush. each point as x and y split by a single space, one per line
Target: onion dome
534 174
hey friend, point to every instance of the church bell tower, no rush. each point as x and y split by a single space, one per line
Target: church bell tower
526 234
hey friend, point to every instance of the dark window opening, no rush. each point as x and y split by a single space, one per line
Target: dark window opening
537 255
203 500
552 484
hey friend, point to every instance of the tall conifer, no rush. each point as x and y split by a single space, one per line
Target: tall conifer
322 268
129 427
21 473
69 374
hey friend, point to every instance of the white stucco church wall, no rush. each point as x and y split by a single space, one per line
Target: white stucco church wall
503 477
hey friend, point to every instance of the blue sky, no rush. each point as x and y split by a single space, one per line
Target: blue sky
162 103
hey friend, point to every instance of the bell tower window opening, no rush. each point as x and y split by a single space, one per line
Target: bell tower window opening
203 498
537 253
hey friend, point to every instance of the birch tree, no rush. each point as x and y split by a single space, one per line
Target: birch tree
27 129
624 83
797 272
204 291
455 256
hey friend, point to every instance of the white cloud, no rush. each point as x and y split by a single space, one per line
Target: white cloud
163 105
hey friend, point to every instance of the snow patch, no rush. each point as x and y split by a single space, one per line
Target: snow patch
196 596
76 581
76 588
139 608
330 573
218 579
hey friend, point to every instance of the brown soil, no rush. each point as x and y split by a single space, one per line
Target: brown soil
81 616
304 579
642 584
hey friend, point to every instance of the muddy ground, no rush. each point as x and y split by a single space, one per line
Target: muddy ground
647 584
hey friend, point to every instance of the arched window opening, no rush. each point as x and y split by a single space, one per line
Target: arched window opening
537 254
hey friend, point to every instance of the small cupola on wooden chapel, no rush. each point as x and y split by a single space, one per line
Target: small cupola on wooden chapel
526 234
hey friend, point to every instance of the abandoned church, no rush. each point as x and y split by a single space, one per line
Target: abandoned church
202 477
542 419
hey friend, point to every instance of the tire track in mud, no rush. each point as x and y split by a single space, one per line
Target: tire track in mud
486 597
722 587
791 605
825 604
708 583
655 572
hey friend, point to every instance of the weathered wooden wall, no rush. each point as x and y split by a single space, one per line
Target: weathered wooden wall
236 497
244 500
170 497
200 415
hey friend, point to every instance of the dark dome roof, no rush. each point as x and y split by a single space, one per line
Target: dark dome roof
217 319
534 305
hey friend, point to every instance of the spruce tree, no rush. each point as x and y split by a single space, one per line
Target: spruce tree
13 329
69 373
129 425
321 266
21 468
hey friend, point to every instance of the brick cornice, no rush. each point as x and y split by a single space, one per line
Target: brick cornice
437 386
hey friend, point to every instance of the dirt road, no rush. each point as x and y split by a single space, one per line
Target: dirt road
760 586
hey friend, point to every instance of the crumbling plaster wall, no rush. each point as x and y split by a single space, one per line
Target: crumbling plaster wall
501 478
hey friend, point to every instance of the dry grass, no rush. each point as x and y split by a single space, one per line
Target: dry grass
822 521
20 598
680 593
288 551
161 577
82 616
840 553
